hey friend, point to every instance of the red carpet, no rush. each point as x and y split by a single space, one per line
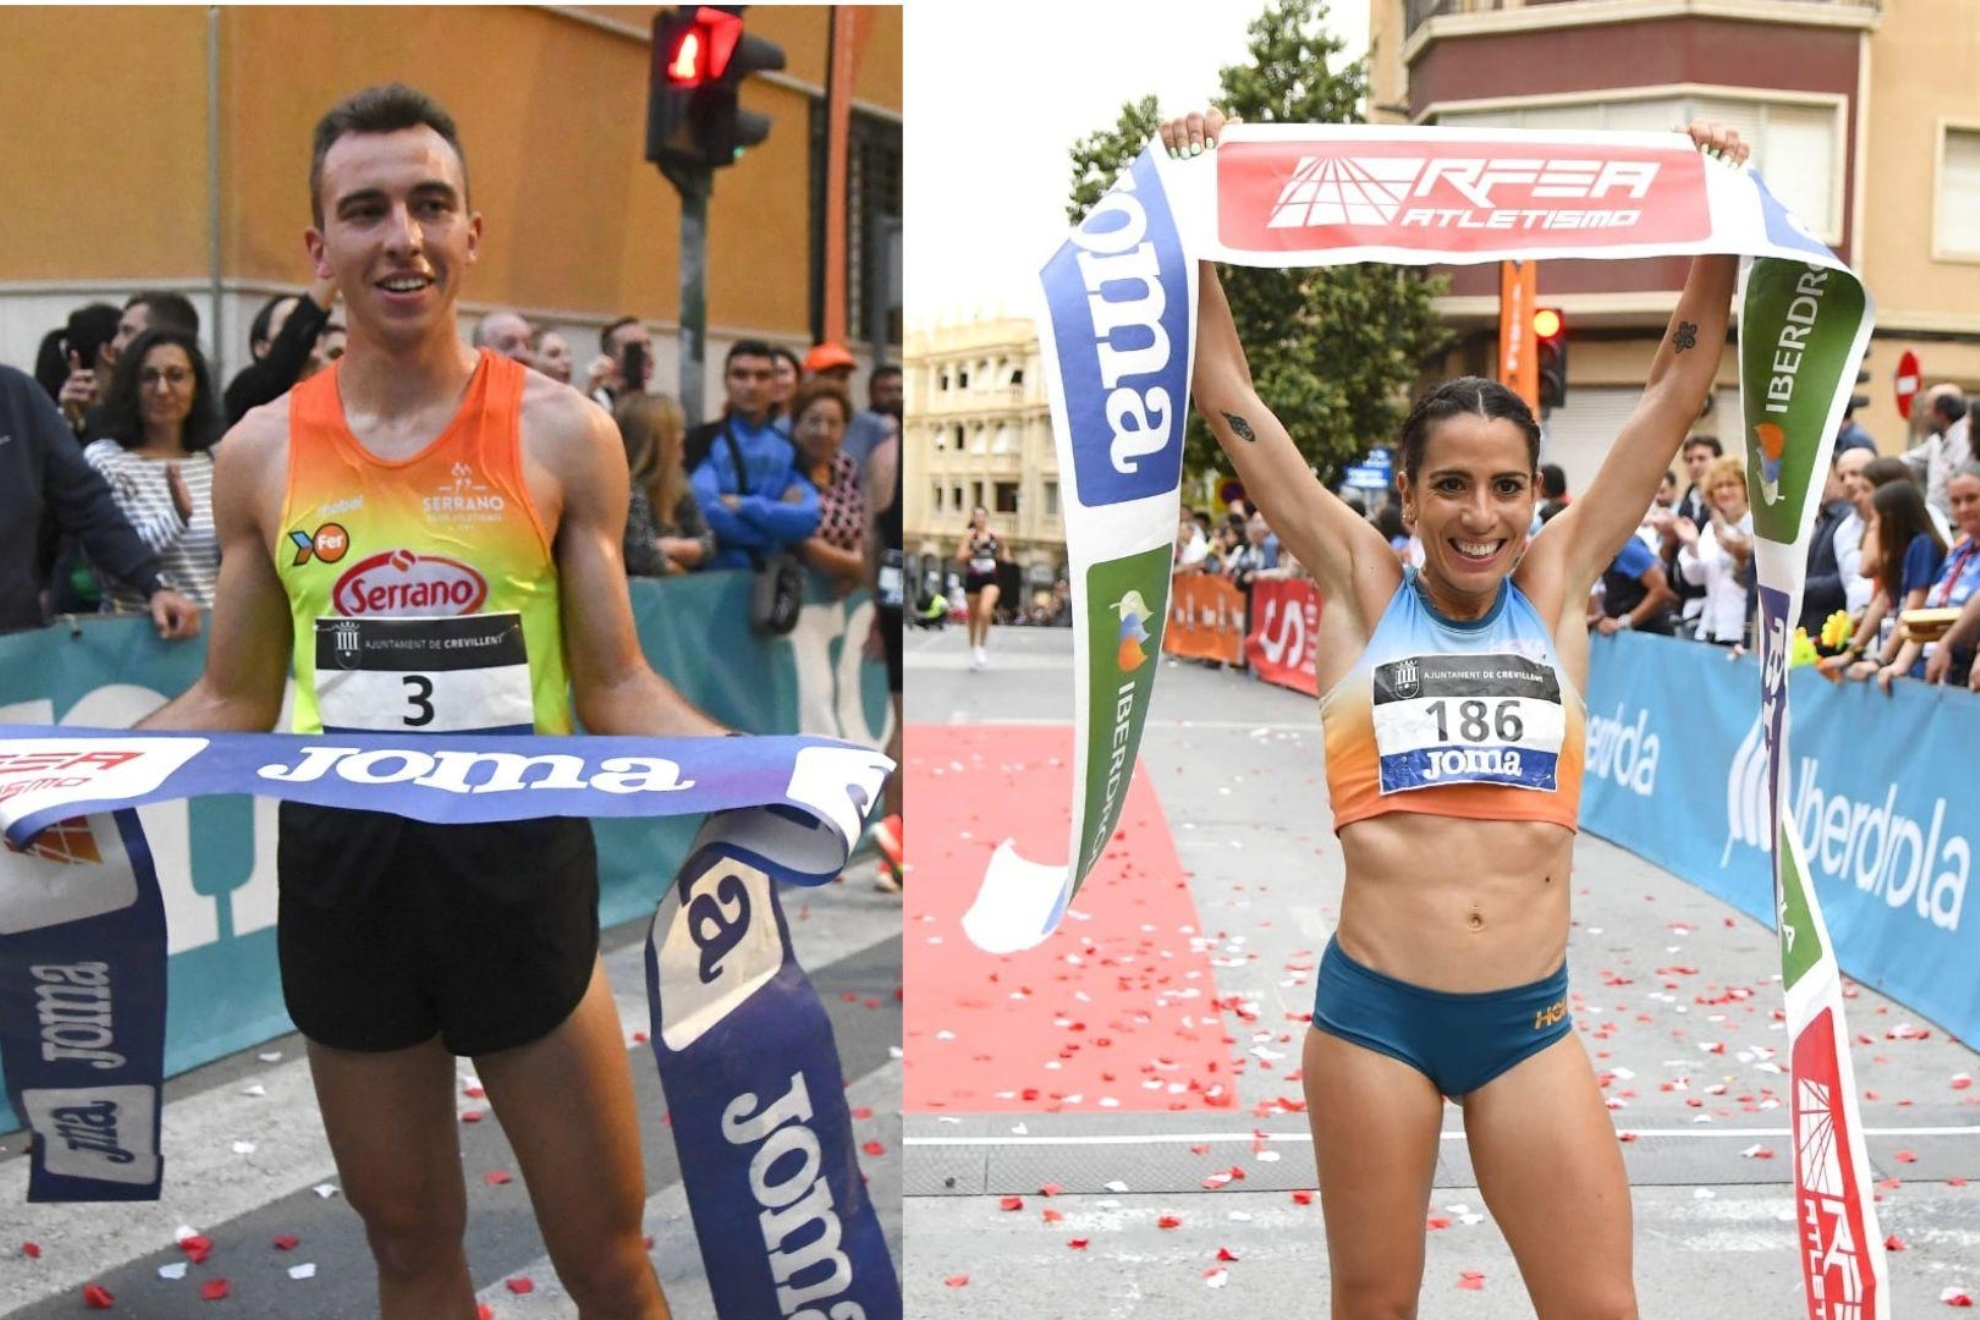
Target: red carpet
1117 1011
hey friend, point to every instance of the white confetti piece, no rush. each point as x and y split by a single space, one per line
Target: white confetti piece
1239 1216
244 1148
256 1089
325 1190
1217 1278
272 1056
1020 1130
1268 1157
1754 1151
1116 1186
1703 1194
184 1231
305 1271
176 1270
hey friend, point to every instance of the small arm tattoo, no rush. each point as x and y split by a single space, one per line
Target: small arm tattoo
1241 428
1685 336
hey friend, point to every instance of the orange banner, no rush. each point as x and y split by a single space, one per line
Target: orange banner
1206 619
1285 618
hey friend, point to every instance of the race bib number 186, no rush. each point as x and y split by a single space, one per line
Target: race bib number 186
1467 719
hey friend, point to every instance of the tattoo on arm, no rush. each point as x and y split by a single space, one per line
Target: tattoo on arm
1241 428
1685 336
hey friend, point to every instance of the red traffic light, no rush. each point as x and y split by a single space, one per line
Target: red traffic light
698 51
1548 323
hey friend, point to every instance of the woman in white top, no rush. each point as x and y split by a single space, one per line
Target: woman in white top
159 422
1716 557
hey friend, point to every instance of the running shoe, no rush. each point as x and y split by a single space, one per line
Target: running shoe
887 836
975 657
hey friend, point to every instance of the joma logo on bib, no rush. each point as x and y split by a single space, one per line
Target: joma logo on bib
401 582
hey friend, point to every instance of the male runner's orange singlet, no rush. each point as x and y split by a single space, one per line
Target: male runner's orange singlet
423 591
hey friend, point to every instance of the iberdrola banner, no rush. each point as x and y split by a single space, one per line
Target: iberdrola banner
1116 332
745 1049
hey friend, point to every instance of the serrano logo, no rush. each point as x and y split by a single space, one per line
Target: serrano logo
1288 195
329 543
399 582
1132 652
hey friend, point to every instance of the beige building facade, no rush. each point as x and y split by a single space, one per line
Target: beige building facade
1864 117
979 432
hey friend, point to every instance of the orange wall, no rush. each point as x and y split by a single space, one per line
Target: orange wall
104 152
552 111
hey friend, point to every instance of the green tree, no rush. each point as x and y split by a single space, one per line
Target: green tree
1334 350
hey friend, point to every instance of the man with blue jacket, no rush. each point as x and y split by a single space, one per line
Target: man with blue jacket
745 471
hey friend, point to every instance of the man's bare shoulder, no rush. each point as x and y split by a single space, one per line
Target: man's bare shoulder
257 445
556 417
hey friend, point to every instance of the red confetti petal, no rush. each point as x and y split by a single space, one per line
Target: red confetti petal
1894 1243
496 1177
1078 1244
1053 1216
874 1148
1011 1203
862 1112
473 1092
97 1297
484 1312
1302 1198
1436 1221
474 1116
957 1281
1905 1157
1050 1189
1471 1279
1169 1221
286 1242
521 1284
32 1250
214 1290
1225 1253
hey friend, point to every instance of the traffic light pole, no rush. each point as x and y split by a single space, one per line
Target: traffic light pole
694 185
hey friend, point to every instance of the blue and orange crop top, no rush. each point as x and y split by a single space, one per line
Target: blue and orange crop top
1450 717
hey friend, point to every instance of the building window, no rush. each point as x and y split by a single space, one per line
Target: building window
1956 228
1051 499
938 498
976 496
941 439
1007 497
956 503
977 443
1006 441
1797 147
962 380
942 381
1017 375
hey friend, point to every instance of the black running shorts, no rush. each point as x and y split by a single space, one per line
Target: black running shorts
392 931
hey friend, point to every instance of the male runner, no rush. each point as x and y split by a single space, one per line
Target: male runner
422 498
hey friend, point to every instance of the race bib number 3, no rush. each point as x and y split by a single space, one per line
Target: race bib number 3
1467 719
460 674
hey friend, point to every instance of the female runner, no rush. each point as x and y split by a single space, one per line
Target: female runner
978 554
1454 726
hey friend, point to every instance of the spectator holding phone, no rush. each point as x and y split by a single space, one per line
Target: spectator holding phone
624 363
66 364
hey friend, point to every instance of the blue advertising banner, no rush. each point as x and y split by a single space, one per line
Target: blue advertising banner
215 856
1879 787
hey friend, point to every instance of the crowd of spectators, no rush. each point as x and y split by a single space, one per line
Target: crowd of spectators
1895 552
107 502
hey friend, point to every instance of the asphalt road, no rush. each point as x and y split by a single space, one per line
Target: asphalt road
1663 972
247 1162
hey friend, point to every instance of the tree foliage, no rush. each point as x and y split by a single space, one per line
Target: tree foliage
1333 350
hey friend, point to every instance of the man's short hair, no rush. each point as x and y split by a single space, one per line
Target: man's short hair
168 311
1950 405
387 109
1711 442
746 348
605 335
1553 480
